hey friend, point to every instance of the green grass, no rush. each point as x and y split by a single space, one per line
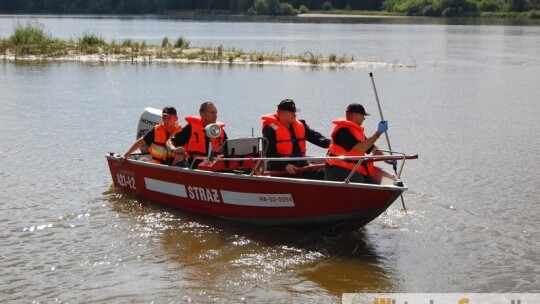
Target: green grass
31 39
530 14
358 13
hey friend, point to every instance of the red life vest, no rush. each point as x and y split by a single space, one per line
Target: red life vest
158 150
366 168
284 141
197 143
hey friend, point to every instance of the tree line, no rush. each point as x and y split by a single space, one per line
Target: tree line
268 7
163 6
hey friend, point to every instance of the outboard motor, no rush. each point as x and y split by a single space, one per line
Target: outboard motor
149 118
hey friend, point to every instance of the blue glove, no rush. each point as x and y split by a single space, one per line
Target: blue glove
383 126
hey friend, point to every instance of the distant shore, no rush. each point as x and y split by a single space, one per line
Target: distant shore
330 15
30 42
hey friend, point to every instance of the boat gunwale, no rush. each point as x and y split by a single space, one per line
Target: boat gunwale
279 179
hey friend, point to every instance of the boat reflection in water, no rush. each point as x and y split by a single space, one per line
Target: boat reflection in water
205 256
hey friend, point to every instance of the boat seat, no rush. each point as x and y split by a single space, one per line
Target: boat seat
248 146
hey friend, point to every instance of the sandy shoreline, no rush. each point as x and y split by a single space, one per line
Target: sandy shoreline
149 59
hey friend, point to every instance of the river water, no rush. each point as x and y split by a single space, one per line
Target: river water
468 107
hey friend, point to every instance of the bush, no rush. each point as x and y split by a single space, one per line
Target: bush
430 11
91 40
165 42
303 9
273 6
534 14
261 7
516 5
332 58
455 7
32 39
31 34
491 5
411 7
181 43
251 11
287 9
327 6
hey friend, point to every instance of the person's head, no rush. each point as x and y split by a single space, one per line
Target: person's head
208 112
356 113
168 114
286 111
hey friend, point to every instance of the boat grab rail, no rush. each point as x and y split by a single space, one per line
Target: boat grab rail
257 160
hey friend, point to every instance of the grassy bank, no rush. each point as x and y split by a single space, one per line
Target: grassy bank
32 42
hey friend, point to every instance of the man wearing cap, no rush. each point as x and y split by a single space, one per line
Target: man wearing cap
287 136
157 138
348 139
192 140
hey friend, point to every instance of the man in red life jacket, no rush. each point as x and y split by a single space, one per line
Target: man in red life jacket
287 137
348 139
157 137
192 141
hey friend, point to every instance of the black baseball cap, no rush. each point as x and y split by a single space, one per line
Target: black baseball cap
287 105
168 111
356 108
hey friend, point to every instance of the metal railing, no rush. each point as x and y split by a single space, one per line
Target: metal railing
258 160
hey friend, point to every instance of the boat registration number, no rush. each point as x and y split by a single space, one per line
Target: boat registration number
126 180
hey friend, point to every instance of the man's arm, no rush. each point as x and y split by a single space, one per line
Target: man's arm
179 139
315 137
147 139
177 142
345 139
270 135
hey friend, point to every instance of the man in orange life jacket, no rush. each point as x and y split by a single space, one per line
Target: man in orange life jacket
192 141
287 137
348 139
157 137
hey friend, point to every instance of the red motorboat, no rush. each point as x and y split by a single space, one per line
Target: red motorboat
237 186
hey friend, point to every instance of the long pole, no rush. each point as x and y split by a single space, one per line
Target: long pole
385 133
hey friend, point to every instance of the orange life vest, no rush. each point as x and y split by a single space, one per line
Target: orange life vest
158 150
284 141
197 143
366 168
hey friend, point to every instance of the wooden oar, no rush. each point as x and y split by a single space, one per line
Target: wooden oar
385 133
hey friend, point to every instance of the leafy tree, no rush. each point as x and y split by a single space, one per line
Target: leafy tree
455 7
261 7
287 9
516 5
273 6
327 6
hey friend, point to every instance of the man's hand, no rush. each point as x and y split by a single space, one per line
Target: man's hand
291 169
382 127
123 158
178 158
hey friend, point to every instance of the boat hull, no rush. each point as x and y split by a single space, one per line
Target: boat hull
262 200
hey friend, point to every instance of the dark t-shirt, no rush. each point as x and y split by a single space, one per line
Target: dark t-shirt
312 136
149 137
181 138
345 139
